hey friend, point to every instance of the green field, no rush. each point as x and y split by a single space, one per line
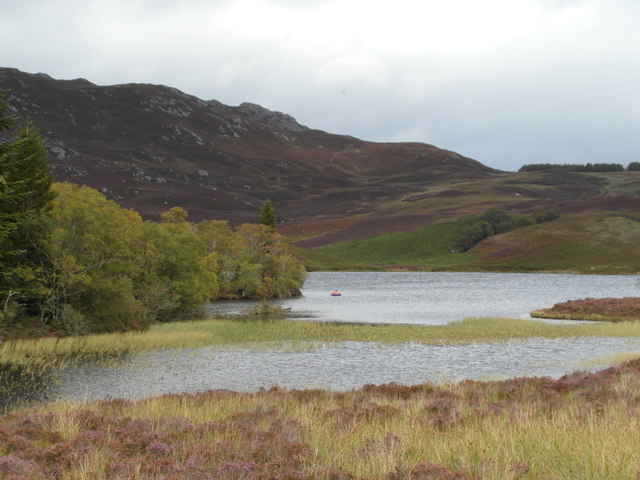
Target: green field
599 242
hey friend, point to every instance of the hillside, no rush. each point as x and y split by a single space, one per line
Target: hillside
152 147
598 242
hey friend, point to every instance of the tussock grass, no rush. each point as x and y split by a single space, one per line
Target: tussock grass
582 426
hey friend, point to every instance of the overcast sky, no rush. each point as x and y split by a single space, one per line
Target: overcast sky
506 82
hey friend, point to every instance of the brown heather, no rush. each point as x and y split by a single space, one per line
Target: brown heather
581 426
604 309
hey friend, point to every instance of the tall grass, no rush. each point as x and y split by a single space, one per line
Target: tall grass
582 426
51 352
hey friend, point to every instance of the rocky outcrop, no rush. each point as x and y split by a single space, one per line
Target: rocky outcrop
281 121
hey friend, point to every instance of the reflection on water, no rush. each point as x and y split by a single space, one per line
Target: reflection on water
336 366
438 298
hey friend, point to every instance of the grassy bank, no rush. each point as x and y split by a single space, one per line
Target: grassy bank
582 426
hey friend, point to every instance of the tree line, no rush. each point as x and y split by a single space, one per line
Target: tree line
588 167
73 262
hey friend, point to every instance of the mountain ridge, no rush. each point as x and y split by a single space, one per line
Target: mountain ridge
151 147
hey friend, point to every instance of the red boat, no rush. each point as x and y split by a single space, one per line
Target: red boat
336 293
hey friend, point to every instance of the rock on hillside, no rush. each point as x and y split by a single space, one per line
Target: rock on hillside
151 147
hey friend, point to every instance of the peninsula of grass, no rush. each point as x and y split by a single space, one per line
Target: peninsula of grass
581 426
595 309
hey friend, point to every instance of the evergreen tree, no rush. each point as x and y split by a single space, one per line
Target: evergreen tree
9 218
25 194
268 215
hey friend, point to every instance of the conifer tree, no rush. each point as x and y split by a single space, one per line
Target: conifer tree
25 194
268 215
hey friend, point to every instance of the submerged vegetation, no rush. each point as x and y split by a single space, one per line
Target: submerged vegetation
598 309
583 425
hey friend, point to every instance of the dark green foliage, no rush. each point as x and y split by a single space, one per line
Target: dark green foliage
26 169
499 220
475 233
495 221
546 214
268 215
491 222
633 166
25 195
589 167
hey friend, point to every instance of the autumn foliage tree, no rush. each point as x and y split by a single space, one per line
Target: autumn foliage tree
112 271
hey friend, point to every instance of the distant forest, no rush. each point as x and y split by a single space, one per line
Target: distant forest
589 167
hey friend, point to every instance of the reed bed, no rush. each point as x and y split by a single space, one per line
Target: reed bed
582 426
45 353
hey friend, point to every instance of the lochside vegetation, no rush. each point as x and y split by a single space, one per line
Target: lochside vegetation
583 425
108 270
73 262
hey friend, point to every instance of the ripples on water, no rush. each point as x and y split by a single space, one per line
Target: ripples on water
426 298
413 298
336 366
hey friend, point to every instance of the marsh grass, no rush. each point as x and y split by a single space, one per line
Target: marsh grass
581 426
26 364
45 353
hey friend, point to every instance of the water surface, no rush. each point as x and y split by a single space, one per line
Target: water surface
336 366
437 298
380 297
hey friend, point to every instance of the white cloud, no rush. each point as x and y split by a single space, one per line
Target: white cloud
364 69
504 81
